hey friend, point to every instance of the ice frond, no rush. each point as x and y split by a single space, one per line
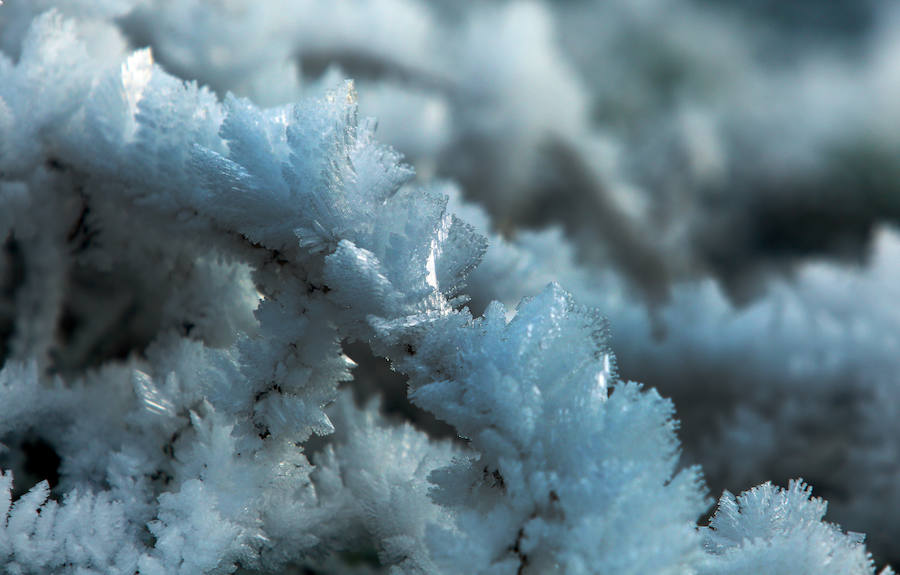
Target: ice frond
780 531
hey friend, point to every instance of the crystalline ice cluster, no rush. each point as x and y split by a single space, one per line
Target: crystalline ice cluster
184 270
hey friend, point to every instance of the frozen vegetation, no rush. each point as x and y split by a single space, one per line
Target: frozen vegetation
241 332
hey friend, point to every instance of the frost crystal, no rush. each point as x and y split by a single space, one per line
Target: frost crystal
188 272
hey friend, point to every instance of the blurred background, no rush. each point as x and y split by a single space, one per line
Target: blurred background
719 177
